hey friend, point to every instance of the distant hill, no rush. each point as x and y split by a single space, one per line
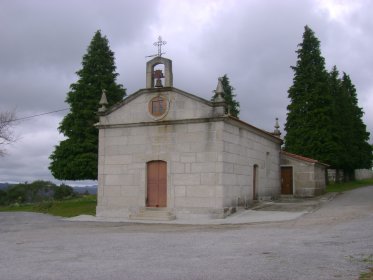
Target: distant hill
87 189
4 186
80 190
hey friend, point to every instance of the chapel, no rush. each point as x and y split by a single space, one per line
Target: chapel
165 153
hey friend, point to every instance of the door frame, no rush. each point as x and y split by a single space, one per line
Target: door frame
255 182
292 177
147 185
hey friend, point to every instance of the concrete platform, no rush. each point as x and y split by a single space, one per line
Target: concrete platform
272 211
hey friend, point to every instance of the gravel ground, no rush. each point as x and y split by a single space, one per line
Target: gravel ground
333 242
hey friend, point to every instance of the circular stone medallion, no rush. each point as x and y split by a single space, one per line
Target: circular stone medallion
158 107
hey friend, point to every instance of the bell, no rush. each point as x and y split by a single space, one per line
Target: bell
158 83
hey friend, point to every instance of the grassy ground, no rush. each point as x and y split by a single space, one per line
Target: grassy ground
341 187
367 275
66 208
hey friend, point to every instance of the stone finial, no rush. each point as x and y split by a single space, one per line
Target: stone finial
219 91
277 132
103 101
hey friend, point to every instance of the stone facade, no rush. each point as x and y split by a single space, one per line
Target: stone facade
211 157
309 175
361 174
335 176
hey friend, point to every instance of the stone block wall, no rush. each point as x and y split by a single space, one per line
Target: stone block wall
309 178
242 149
180 108
210 157
209 167
320 179
193 169
334 176
361 174
304 183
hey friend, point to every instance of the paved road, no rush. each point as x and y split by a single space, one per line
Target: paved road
334 242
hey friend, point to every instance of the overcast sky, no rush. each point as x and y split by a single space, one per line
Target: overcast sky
42 44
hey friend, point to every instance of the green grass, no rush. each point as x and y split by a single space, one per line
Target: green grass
341 187
367 275
65 208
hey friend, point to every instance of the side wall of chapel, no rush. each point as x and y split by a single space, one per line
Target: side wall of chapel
242 150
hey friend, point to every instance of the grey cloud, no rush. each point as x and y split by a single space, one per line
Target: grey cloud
27 159
254 42
43 42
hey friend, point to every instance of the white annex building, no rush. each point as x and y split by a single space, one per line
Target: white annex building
165 153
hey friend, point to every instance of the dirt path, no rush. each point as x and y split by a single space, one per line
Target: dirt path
334 242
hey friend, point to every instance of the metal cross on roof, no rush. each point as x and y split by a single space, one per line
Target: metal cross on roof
158 44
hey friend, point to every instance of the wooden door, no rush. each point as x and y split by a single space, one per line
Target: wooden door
156 184
287 180
255 182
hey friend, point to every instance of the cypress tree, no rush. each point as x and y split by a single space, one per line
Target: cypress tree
232 105
340 120
309 119
75 158
343 125
359 150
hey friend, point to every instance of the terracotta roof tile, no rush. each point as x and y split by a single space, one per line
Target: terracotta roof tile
311 160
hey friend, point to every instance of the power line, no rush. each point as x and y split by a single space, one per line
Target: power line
38 115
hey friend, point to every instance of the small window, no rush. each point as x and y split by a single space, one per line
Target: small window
158 106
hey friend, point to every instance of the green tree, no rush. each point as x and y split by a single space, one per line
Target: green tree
341 121
63 192
232 105
309 120
359 150
3 197
37 191
75 158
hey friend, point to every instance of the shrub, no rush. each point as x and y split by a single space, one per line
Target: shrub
63 192
39 191
44 206
17 193
3 197
36 192
28 193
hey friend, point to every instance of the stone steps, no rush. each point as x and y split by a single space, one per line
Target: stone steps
289 198
153 214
